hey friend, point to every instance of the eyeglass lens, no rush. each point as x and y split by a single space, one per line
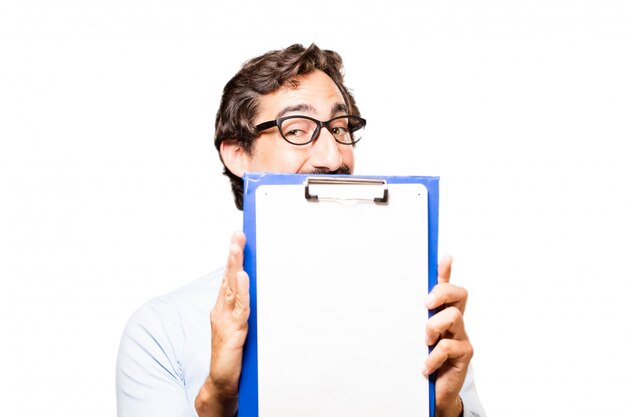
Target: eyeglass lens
300 130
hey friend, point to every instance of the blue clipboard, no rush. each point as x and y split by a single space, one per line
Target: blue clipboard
278 208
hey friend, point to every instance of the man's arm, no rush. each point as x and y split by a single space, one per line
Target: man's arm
218 395
453 351
149 379
153 364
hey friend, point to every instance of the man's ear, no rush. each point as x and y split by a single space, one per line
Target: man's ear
235 157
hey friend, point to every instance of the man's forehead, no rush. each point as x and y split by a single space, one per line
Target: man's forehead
312 93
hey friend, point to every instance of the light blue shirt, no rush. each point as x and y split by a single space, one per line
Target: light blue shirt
165 354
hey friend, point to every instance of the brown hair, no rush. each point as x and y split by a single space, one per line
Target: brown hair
264 75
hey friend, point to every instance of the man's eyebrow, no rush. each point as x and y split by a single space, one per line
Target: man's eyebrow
337 108
340 108
297 107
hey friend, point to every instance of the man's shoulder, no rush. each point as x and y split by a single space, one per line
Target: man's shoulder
192 299
197 293
167 341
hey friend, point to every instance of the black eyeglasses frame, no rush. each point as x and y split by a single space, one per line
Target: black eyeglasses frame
278 123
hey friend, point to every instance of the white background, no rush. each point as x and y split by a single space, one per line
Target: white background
111 190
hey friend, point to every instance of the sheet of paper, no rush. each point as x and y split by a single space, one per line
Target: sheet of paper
340 312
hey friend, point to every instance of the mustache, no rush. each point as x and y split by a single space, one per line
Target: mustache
342 170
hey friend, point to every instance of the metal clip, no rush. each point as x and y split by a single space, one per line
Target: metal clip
329 180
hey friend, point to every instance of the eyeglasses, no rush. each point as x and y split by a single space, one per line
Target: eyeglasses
301 130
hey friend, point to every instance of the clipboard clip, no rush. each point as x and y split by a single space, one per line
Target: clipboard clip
366 186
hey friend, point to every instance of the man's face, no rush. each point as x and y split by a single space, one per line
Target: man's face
316 96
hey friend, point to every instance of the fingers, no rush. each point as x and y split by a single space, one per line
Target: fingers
452 350
234 265
241 309
235 256
444 293
234 301
456 353
448 323
448 295
229 322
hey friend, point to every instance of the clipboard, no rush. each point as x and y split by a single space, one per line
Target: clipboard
339 267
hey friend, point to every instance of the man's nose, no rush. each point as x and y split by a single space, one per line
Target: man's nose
325 152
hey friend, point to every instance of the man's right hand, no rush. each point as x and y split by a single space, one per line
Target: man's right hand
229 328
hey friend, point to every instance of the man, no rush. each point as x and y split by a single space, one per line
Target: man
285 111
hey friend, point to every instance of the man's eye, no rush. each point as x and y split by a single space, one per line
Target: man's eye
294 133
339 130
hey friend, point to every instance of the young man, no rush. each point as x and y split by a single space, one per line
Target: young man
180 355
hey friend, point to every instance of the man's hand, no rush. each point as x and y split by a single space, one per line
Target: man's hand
452 354
229 328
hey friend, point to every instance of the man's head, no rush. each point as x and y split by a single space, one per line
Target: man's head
294 81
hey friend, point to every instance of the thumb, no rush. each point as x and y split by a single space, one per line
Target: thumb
444 269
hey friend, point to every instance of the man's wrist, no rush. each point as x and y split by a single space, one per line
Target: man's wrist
210 402
453 409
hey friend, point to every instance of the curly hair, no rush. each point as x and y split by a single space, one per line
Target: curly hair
263 75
